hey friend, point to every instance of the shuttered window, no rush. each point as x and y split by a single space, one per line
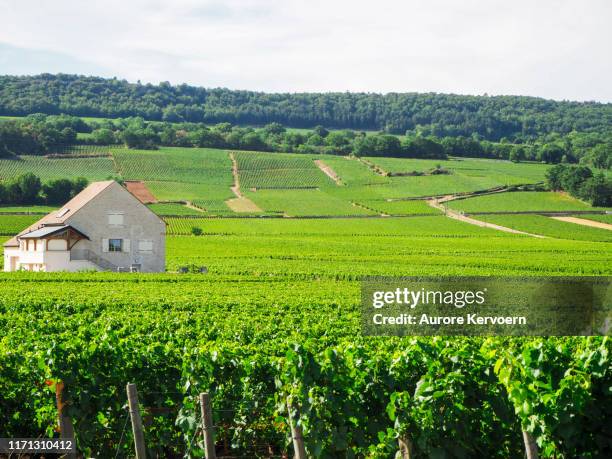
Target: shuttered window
115 218
145 245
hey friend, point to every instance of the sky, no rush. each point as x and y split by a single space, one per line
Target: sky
557 49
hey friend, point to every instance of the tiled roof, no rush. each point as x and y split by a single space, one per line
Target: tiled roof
59 217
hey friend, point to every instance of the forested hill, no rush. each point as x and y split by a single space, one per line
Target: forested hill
493 118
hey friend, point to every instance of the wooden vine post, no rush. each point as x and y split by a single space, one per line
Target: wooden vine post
405 448
139 443
65 423
531 448
296 432
208 428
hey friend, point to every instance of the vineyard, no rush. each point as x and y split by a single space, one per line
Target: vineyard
253 332
273 314
97 168
278 170
528 201
546 226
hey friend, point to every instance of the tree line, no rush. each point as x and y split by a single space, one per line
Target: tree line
43 134
582 183
514 118
28 189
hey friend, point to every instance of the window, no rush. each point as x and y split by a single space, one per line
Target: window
114 245
145 245
63 212
115 218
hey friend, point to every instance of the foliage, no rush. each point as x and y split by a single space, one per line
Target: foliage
580 182
493 118
27 189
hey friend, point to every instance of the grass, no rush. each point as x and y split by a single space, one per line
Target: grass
520 201
546 226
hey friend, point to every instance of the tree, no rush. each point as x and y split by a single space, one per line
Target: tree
320 131
551 153
422 147
29 187
57 191
573 177
103 136
78 185
517 154
597 190
274 128
554 176
3 194
600 156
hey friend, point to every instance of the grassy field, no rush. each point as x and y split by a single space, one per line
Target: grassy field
521 201
546 226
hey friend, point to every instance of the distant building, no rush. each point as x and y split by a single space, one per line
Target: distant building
104 228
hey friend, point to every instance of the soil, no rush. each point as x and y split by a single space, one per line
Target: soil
140 190
585 222
328 171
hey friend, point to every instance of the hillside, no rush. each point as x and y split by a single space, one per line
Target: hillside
492 118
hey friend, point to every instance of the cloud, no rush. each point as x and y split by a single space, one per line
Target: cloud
24 61
549 48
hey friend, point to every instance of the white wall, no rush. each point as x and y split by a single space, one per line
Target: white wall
57 244
9 252
138 223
